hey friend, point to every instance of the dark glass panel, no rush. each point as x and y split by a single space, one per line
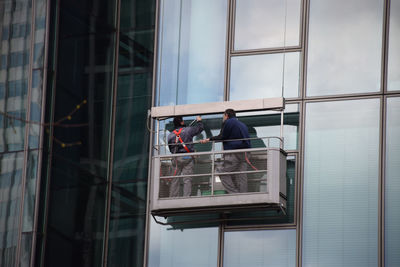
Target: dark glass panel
76 220
127 224
82 115
131 150
137 14
131 140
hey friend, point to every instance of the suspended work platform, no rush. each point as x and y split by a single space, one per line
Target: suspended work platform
218 180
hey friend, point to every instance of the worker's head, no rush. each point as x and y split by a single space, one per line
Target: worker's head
229 113
178 121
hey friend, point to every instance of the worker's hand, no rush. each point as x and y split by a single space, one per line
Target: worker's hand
205 141
198 118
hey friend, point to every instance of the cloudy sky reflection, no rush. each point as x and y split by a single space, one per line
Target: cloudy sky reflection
192 51
345 40
261 23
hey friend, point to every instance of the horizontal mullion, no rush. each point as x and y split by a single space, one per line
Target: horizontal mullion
266 51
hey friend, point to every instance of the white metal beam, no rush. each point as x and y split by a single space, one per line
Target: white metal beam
277 103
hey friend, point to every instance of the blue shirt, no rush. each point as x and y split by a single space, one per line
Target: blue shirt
235 129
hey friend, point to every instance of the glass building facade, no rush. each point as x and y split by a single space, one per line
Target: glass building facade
77 81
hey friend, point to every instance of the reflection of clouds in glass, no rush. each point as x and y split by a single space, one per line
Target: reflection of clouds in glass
260 248
175 248
192 52
260 76
261 23
394 45
344 46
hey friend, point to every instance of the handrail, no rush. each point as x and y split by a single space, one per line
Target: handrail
268 144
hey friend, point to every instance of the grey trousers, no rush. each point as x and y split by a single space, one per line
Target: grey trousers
183 166
235 183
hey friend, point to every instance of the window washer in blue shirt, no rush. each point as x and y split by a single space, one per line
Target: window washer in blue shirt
233 129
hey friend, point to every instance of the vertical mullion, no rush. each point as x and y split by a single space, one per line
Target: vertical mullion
112 134
229 45
305 33
51 128
382 156
302 108
41 132
220 255
148 217
385 45
26 137
381 185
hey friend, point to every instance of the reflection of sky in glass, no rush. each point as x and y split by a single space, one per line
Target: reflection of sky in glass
341 167
394 47
260 76
191 52
260 248
345 38
392 184
261 23
176 248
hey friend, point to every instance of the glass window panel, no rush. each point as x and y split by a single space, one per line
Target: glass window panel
394 44
392 184
10 200
265 124
127 225
261 76
15 69
80 155
261 23
341 169
192 48
26 247
195 247
344 47
131 151
30 192
260 248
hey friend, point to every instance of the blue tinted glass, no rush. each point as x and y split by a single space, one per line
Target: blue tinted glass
3 62
191 60
341 170
176 248
261 76
10 188
5 33
260 248
394 44
392 184
344 46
